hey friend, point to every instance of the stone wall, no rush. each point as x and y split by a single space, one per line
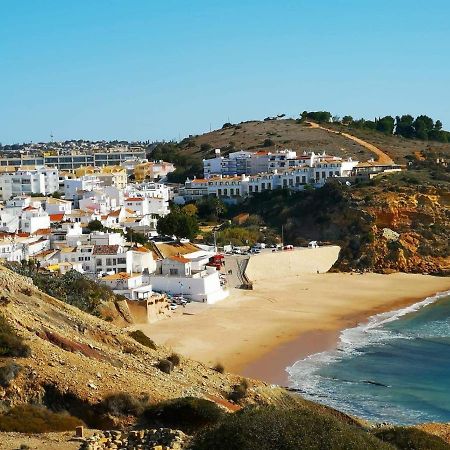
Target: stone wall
154 439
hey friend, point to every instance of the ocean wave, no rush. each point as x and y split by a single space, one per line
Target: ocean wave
304 374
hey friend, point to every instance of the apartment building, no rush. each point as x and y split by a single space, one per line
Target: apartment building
232 188
73 161
42 180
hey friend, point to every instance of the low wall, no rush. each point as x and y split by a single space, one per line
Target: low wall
288 263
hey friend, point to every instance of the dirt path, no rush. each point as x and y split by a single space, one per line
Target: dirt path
382 157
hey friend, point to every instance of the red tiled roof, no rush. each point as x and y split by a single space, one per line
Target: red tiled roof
114 213
29 208
141 249
56 217
180 259
105 249
135 199
43 231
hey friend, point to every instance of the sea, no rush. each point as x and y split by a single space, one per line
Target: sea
394 368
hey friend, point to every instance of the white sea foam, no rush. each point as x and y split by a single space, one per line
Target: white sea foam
304 376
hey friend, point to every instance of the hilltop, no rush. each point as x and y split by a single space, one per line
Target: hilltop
301 136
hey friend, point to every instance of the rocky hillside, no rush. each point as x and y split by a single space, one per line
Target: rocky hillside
407 230
395 223
77 359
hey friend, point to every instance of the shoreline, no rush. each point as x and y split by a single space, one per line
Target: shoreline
271 366
260 333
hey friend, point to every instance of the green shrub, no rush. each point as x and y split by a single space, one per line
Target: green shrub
174 358
411 439
8 373
35 419
270 428
123 404
188 414
10 343
239 391
219 368
164 365
143 339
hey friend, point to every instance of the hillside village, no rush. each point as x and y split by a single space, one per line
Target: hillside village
92 220
82 210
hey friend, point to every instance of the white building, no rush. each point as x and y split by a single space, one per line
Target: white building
33 219
176 277
108 259
42 180
316 171
130 285
73 188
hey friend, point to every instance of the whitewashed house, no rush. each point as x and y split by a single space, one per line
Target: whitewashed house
129 285
175 276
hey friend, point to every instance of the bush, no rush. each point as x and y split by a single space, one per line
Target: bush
9 373
143 339
10 343
174 358
35 419
270 428
4 301
239 391
164 365
123 404
219 368
411 439
188 414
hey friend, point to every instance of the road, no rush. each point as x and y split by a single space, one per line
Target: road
382 157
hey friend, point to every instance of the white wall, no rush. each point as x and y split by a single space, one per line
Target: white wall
204 289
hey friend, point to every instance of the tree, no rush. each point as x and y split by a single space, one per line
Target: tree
404 126
190 209
178 223
268 143
135 236
95 225
210 208
438 125
317 116
385 124
205 147
347 120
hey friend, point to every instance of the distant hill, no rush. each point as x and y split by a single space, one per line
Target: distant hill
300 136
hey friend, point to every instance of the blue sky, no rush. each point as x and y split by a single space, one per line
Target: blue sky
147 69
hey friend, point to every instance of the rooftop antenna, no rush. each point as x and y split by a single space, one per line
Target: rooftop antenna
51 136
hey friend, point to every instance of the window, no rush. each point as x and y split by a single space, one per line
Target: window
173 271
121 260
108 261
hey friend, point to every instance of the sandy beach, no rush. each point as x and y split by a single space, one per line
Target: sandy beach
287 316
